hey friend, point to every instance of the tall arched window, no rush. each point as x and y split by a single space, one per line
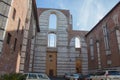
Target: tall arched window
52 21
118 38
92 48
77 42
51 40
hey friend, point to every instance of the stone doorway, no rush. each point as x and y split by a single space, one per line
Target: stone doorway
51 63
78 66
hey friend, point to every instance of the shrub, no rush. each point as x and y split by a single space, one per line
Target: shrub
12 76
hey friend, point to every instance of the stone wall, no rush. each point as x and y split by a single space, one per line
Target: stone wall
4 11
65 48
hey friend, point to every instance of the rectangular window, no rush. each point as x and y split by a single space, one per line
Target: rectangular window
14 13
109 62
91 48
20 48
51 40
8 38
106 39
19 21
15 44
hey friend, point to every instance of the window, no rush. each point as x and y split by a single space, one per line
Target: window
109 62
51 60
14 13
98 52
77 42
51 40
118 38
50 56
15 44
20 48
52 21
19 21
91 48
8 38
106 39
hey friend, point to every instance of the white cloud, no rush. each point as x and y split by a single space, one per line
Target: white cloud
90 13
62 6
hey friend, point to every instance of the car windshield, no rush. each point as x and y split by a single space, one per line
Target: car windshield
32 76
99 73
76 75
42 76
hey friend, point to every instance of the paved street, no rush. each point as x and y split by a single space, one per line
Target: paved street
57 78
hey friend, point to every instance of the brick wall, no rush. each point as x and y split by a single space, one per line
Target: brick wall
111 60
10 56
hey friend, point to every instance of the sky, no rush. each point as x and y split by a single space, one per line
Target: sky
86 13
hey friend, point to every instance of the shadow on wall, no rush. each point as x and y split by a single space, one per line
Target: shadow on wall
11 51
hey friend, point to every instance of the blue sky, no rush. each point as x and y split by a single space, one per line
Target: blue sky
86 13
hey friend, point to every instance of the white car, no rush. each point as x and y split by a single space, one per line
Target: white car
74 77
37 76
107 75
67 76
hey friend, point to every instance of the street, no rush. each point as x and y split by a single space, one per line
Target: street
57 78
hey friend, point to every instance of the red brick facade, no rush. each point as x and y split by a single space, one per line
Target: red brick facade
14 33
105 61
10 56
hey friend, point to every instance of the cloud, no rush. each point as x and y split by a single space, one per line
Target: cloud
62 6
90 13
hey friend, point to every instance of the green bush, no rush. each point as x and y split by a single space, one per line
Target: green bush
12 76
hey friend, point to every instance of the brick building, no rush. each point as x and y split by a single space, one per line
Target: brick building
18 18
103 42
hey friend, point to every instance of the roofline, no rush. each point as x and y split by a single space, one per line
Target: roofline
53 9
103 18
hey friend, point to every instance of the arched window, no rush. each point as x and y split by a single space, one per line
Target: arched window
77 42
92 48
118 38
52 21
51 40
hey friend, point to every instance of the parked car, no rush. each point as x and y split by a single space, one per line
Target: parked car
67 76
76 76
107 75
88 76
37 76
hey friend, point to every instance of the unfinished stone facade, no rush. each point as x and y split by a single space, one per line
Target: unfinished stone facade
62 58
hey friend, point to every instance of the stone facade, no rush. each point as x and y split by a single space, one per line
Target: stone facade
106 37
24 41
65 51
30 31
